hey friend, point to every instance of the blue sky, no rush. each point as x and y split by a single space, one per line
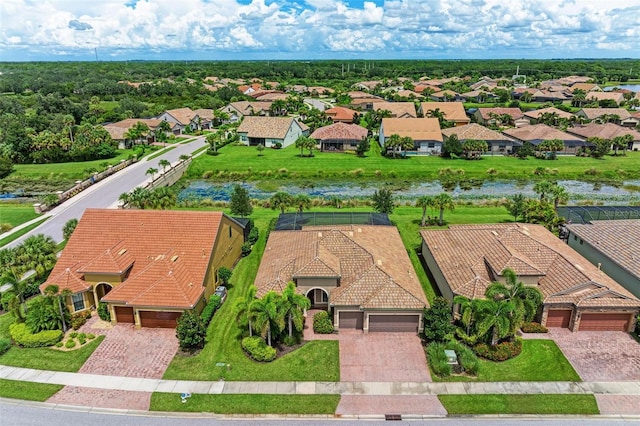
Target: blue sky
317 29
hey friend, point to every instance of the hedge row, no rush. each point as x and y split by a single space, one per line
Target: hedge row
322 324
23 336
257 349
210 309
500 352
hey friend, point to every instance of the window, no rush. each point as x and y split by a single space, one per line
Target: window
78 302
325 298
230 232
431 145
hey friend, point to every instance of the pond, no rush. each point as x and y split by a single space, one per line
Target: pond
621 194
632 87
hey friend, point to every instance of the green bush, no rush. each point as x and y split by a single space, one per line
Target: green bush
322 324
82 339
70 344
292 340
210 309
190 331
467 359
254 234
91 336
246 249
5 344
79 319
500 352
73 334
438 359
258 350
533 327
103 312
438 322
59 345
22 336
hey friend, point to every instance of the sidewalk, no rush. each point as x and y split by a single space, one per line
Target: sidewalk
311 388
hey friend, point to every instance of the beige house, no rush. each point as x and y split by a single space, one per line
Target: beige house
452 111
240 109
149 266
538 133
465 259
397 109
346 270
271 131
425 133
497 142
339 137
181 119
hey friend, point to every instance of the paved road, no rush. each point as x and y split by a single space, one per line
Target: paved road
105 193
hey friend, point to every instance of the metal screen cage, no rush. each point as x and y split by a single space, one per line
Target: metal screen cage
586 214
295 221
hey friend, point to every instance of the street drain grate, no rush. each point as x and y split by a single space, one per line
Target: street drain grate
391 417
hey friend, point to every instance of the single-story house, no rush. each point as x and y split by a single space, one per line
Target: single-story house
479 96
397 109
616 115
205 116
365 285
408 94
537 133
183 118
498 143
616 97
271 131
367 85
504 116
237 110
425 133
272 95
548 96
119 129
452 111
339 137
340 114
612 245
534 115
606 131
586 87
465 259
149 266
445 96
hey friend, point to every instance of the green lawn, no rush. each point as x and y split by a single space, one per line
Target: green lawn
247 404
27 390
16 213
242 162
519 404
49 359
540 361
20 233
317 360
5 321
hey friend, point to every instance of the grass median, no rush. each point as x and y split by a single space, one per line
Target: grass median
519 404
27 390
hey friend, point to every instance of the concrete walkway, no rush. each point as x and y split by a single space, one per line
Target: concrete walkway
310 388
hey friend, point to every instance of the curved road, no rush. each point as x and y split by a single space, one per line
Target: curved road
105 193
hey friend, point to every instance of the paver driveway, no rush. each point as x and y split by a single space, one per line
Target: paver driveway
600 355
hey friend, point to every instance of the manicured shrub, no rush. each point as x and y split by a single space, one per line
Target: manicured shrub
91 336
210 309
22 336
322 324
500 352
438 321
59 345
79 319
254 234
257 349
438 360
467 359
291 340
71 343
82 339
246 249
533 327
73 334
5 344
103 312
190 331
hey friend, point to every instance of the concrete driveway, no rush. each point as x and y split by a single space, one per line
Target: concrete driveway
600 355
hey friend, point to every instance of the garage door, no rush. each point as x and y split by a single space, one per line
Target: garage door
559 318
605 322
352 320
124 314
405 323
159 319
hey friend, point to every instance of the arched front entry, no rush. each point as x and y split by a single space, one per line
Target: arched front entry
319 298
102 290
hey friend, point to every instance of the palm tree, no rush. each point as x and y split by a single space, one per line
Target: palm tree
544 188
184 157
443 201
293 307
302 202
151 171
560 194
242 308
494 318
68 122
266 315
527 299
14 296
164 163
467 312
621 142
280 200
424 202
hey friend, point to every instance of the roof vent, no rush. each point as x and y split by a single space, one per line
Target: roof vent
351 233
359 229
319 234
494 233
121 252
379 262
579 268
174 258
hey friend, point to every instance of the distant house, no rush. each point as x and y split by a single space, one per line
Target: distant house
364 100
537 133
465 259
184 118
586 87
445 96
479 96
504 116
497 142
611 245
616 97
606 131
452 111
340 114
149 266
367 85
616 115
118 130
548 96
425 133
205 116
534 115
409 94
237 110
272 96
397 109
271 131
339 137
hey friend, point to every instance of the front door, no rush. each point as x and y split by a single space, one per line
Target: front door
318 298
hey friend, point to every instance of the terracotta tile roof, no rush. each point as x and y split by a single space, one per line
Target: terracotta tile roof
536 113
592 113
453 111
409 93
444 93
617 97
563 275
268 127
420 88
320 89
619 240
475 131
419 129
397 109
340 131
118 129
169 252
204 113
356 94
271 96
587 87
605 131
340 113
372 275
537 133
514 113
249 108
183 115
